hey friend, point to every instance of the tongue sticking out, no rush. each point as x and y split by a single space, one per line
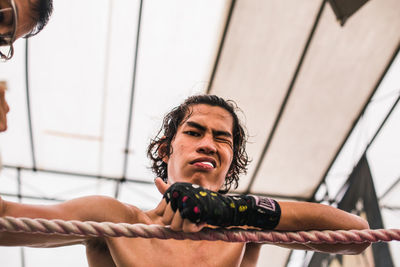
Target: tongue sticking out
204 164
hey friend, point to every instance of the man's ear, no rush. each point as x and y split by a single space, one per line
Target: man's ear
162 151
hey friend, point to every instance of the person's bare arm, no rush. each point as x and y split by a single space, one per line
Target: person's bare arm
93 208
296 216
299 216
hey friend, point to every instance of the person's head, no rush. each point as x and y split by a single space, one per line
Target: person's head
21 18
3 107
201 141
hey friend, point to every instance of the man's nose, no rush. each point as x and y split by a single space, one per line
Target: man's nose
207 145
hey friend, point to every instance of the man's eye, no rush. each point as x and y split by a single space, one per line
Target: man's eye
192 133
225 140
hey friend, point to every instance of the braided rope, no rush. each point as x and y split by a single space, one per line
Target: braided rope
78 228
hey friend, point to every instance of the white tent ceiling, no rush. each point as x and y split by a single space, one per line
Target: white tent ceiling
301 79
265 58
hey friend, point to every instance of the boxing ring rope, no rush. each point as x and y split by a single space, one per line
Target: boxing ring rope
108 229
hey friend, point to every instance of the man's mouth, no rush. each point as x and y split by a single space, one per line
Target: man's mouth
204 163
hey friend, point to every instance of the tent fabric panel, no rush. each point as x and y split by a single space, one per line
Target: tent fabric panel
34 183
259 56
8 181
74 109
305 141
181 55
272 255
384 156
391 221
14 75
63 257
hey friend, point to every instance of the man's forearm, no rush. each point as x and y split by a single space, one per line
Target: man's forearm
313 216
303 216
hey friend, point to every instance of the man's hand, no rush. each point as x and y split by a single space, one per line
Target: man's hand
200 205
171 218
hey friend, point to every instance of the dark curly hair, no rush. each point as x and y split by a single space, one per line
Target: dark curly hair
41 12
169 129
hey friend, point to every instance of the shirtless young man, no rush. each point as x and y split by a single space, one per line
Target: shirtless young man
202 144
21 18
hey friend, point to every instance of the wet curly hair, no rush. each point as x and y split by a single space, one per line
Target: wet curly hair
41 11
174 119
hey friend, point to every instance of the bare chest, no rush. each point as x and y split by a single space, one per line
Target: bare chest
155 252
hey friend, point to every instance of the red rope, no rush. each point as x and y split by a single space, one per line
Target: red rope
10 224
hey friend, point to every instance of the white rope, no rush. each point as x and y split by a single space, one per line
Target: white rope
78 228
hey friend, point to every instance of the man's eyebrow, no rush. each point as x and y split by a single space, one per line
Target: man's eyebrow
196 125
202 128
222 133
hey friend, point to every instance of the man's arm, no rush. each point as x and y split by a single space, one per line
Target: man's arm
93 208
295 216
303 216
299 216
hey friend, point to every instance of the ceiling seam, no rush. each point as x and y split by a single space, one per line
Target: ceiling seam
128 134
105 86
323 178
28 105
383 123
390 188
286 99
30 197
19 196
82 175
221 46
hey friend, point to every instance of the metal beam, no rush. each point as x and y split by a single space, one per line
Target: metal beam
221 46
28 103
285 100
393 208
128 134
82 175
31 197
383 122
19 193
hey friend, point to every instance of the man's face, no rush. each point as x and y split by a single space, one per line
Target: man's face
202 149
3 107
26 18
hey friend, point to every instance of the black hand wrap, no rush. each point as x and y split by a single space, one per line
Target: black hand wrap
201 205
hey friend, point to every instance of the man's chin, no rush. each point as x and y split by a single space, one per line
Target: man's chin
204 183
200 179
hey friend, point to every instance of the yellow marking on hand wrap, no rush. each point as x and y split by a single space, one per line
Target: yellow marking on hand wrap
202 193
242 208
